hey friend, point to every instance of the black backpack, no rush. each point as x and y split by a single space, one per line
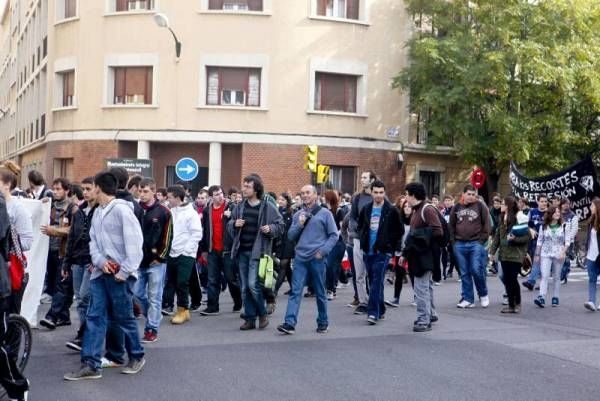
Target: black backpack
444 240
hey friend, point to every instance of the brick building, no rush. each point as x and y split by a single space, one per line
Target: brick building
83 81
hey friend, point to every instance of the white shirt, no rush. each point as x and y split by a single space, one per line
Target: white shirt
592 253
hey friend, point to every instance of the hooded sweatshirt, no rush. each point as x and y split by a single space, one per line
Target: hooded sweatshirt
116 235
187 231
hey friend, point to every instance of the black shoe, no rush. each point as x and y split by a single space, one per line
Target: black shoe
527 285
286 328
167 311
360 310
420 327
75 344
322 328
209 312
237 308
309 295
194 308
59 323
434 319
85 373
47 323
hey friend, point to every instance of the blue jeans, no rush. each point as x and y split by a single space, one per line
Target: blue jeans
149 291
334 265
376 265
111 303
252 295
593 270
303 270
81 288
469 257
218 262
350 252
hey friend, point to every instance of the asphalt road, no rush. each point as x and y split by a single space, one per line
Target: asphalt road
476 354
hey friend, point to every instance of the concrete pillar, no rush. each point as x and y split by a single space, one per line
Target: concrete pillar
143 150
214 163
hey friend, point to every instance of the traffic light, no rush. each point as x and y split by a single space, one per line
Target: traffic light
322 174
310 158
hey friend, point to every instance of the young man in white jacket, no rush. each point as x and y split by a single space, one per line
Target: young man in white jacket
187 234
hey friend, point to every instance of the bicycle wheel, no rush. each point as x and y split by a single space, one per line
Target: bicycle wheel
18 340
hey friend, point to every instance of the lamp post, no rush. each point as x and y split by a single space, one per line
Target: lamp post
163 21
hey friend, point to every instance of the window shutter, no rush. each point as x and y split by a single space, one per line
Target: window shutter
212 86
136 85
234 79
350 94
352 10
254 88
255 5
70 8
334 99
215 4
121 5
322 7
119 85
318 91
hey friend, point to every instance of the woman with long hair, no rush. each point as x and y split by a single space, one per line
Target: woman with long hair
400 269
285 247
593 255
20 221
512 247
333 263
552 245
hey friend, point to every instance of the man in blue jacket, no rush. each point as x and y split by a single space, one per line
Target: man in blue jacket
315 232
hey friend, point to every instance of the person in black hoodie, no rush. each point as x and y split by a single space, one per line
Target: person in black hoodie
216 249
77 262
380 233
157 228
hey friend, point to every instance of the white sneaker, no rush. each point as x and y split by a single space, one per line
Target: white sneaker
107 363
485 301
329 296
437 283
46 299
590 306
465 304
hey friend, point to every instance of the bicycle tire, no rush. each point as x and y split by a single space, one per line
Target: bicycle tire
19 340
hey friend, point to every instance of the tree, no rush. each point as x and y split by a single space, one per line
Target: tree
507 80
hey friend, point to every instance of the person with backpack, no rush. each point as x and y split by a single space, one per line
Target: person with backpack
469 231
380 231
426 232
552 244
315 233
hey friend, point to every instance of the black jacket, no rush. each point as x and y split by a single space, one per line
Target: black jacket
389 233
137 209
284 247
78 241
207 228
5 287
157 228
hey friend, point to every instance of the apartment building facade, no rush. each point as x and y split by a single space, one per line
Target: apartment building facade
84 81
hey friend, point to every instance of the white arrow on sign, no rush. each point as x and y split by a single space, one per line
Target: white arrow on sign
187 169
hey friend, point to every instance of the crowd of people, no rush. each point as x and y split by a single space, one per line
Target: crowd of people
123 248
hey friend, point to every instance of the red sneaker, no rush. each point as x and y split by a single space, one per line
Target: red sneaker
149 337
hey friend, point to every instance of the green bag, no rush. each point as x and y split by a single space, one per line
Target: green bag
265 271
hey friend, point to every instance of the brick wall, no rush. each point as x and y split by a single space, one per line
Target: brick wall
88 157
280 166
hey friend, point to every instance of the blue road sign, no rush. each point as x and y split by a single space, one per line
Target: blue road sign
186 169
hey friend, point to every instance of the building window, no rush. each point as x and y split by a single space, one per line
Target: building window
343 179
63 168
236 5
67 83
431 180
66 9
348 9
335 92
227 86
132 85
133 5
43 125
45 47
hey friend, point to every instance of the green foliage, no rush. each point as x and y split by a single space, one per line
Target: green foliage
508 80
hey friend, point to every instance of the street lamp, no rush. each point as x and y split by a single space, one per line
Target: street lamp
163 21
